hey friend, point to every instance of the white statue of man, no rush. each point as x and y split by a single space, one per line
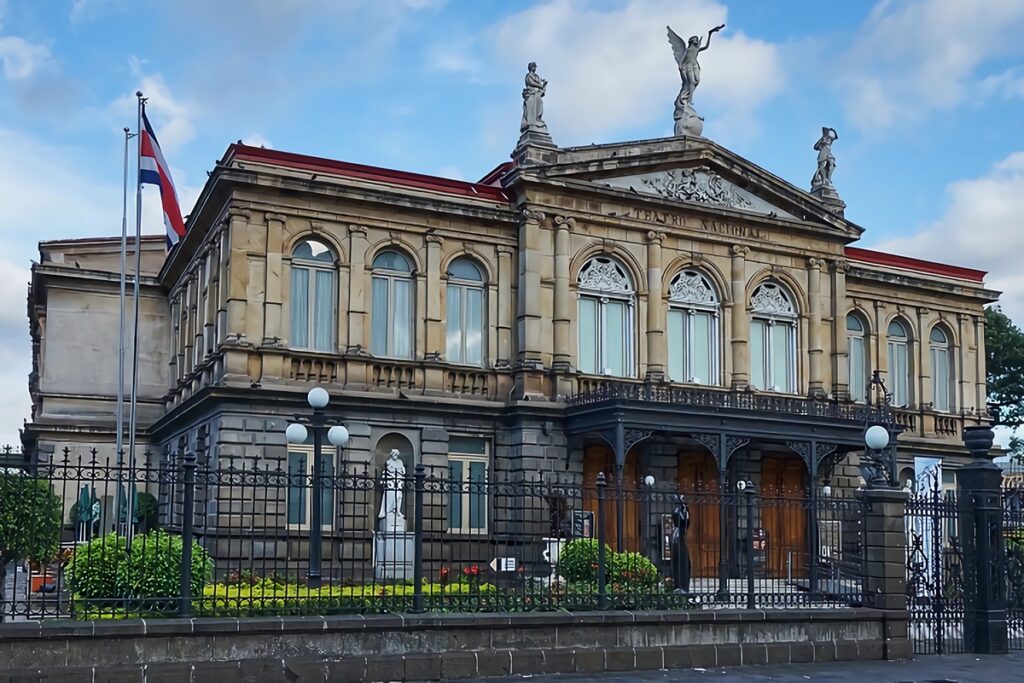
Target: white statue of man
391 503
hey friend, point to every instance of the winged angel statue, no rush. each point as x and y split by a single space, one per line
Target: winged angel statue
685 52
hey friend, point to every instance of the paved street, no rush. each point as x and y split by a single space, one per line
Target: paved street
929 669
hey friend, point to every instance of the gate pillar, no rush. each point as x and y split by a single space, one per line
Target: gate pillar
885 573
981 525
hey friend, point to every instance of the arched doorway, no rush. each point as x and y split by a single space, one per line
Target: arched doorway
597 459
697 477
784 514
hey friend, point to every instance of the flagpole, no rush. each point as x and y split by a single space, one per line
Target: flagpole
133 409
119 439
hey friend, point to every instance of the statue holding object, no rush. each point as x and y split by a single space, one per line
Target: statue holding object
688 122
681 568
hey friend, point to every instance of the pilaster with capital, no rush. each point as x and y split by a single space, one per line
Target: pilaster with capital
922 359
435 333
880 341
238 267
561 318
272 329
656 351
840 345
981 390
740 321
357 246
530 332
814 331
964 363
504 326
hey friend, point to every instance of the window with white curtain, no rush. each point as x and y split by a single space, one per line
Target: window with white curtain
772 339
857 353
605 318
393 332
942 370
300 487
693 329
899 363
465 313
468 460
313 296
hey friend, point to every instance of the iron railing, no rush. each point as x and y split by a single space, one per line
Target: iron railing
1013 557
467 539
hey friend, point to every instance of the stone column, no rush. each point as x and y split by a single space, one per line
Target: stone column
963 365
740 320
880 341
504 326
238 263
840 344
656 350
357 290
922 360
273 331
815 351
562 312
435 332
885 571
981 389
529 313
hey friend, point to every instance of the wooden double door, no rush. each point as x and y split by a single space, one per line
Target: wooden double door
784 515
697 477
597 459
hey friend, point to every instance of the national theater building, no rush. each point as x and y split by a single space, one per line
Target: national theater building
658 307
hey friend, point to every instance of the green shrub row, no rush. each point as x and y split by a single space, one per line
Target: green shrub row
578 562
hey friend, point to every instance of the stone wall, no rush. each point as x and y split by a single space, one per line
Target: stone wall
441 647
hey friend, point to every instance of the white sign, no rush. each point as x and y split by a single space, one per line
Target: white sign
503 564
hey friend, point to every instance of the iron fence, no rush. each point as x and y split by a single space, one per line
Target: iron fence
1013 558
182 538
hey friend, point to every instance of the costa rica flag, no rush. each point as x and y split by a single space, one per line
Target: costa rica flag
153 170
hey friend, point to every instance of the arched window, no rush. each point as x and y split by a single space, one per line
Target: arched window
857 352
605 320
313 296
772 339
393 332
942 370
692 329
899 363
465 313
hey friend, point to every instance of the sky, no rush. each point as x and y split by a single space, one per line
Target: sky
927 97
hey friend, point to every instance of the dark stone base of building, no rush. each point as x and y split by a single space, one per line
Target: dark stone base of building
440 647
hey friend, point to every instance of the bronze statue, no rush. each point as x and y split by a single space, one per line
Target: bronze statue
680 551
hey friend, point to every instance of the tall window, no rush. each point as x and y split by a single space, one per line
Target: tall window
899 363
467 497
300 487
312 300
856 345
772 340
942 370
605 320
692 330
393 331
465 313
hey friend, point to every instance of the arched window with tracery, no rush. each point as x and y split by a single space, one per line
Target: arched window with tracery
693 320
857 353
899 362
943 379
464 313
313 296
772 339
605 318
393 333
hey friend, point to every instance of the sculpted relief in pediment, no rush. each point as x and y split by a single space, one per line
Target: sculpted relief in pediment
700 185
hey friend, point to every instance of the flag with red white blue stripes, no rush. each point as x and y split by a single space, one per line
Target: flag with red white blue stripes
153 170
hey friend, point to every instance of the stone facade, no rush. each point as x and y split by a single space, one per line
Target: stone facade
219 318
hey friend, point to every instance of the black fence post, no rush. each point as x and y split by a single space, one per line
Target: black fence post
981 519
749 490
187 513
602 591
417 558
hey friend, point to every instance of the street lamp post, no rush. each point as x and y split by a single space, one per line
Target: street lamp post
297 433
878 466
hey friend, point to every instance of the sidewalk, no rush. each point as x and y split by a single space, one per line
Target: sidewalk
925 669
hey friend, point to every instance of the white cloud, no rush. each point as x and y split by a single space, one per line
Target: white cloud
980 228
912 58
172 117
611 68
21 58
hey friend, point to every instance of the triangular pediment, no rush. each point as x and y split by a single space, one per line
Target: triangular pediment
700 184
695 172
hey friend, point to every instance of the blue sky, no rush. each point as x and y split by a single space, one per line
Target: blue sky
927 96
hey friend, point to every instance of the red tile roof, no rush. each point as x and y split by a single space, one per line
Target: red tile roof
881 258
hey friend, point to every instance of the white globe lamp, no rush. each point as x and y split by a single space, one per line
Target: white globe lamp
337 435
876 437
318 398
296 433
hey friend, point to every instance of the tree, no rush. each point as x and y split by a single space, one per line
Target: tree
1004 362
30 521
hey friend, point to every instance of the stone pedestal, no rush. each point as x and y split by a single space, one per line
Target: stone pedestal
689 122
828 196
393 555
885 579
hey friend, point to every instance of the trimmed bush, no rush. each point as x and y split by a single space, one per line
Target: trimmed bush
153 570
578 560
632 571
93 570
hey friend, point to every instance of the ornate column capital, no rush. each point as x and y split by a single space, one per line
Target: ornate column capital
238 212
879 305
354 229
531 216
431 238
814 263
505 250
923 310
740 251
654 236
563 222
272 216
841 266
